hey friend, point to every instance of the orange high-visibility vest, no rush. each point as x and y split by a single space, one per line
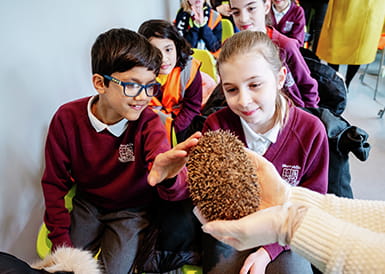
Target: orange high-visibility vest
214 19
173 92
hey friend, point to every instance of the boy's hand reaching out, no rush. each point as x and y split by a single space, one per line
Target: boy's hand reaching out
168 164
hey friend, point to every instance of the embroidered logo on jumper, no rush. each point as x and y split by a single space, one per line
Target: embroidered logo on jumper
126 153
290 174
289 80
288 26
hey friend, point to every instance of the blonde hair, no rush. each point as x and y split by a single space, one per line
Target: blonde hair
187 7
255 41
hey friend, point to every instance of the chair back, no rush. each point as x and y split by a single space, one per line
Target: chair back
43 243
227 29
208 62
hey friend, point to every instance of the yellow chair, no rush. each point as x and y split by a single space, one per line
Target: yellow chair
191 269
227 29
43 244
208 62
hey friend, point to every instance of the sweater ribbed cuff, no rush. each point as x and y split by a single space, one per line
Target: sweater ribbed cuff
312 238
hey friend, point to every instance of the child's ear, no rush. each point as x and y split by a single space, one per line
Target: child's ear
282 77
267 5
98 82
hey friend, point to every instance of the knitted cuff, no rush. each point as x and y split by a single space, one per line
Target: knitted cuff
294 217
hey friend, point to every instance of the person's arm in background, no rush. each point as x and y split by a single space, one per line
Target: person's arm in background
212 37
191 104
299 81
298 30
222 7
190 33
306 84
56 182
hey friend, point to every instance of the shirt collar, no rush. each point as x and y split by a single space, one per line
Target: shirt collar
261 142
278 15
270 135
116 129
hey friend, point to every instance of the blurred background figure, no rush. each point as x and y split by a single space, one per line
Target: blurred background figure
200 25
223 7
180 98
350 34
288 18
314 14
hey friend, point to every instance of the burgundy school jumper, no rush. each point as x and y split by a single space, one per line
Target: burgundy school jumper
300 86
110 172
300 154
292 24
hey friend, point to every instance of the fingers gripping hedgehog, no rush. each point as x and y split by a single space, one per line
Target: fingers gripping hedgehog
222 179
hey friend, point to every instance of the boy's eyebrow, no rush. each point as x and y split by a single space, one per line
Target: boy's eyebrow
136 80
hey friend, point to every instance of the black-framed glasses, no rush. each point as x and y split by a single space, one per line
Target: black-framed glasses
134 89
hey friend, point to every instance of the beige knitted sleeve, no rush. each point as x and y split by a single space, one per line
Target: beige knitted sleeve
336 246
340 235
364 213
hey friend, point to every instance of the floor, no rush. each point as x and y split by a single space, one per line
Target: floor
368 177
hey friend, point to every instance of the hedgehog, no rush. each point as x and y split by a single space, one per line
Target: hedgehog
222 180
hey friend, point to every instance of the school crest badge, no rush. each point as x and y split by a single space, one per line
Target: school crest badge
288 26
290 174
126 153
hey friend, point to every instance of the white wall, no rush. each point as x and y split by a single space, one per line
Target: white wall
44 62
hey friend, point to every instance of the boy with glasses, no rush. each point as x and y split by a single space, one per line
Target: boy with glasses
115 150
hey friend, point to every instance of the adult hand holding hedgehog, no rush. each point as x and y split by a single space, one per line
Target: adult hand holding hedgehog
270 223
273 189
327 230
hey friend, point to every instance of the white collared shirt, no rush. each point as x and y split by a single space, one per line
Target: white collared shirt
278 15
116 129
259 143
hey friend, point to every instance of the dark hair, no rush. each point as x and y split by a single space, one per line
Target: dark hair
119 50
164 29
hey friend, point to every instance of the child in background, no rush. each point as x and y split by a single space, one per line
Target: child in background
200 25
115 150
300 86
289 19
180 98
223 8
295 141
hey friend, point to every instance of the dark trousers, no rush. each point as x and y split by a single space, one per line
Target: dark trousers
350 73
219 258
315 21
118 234
10 264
